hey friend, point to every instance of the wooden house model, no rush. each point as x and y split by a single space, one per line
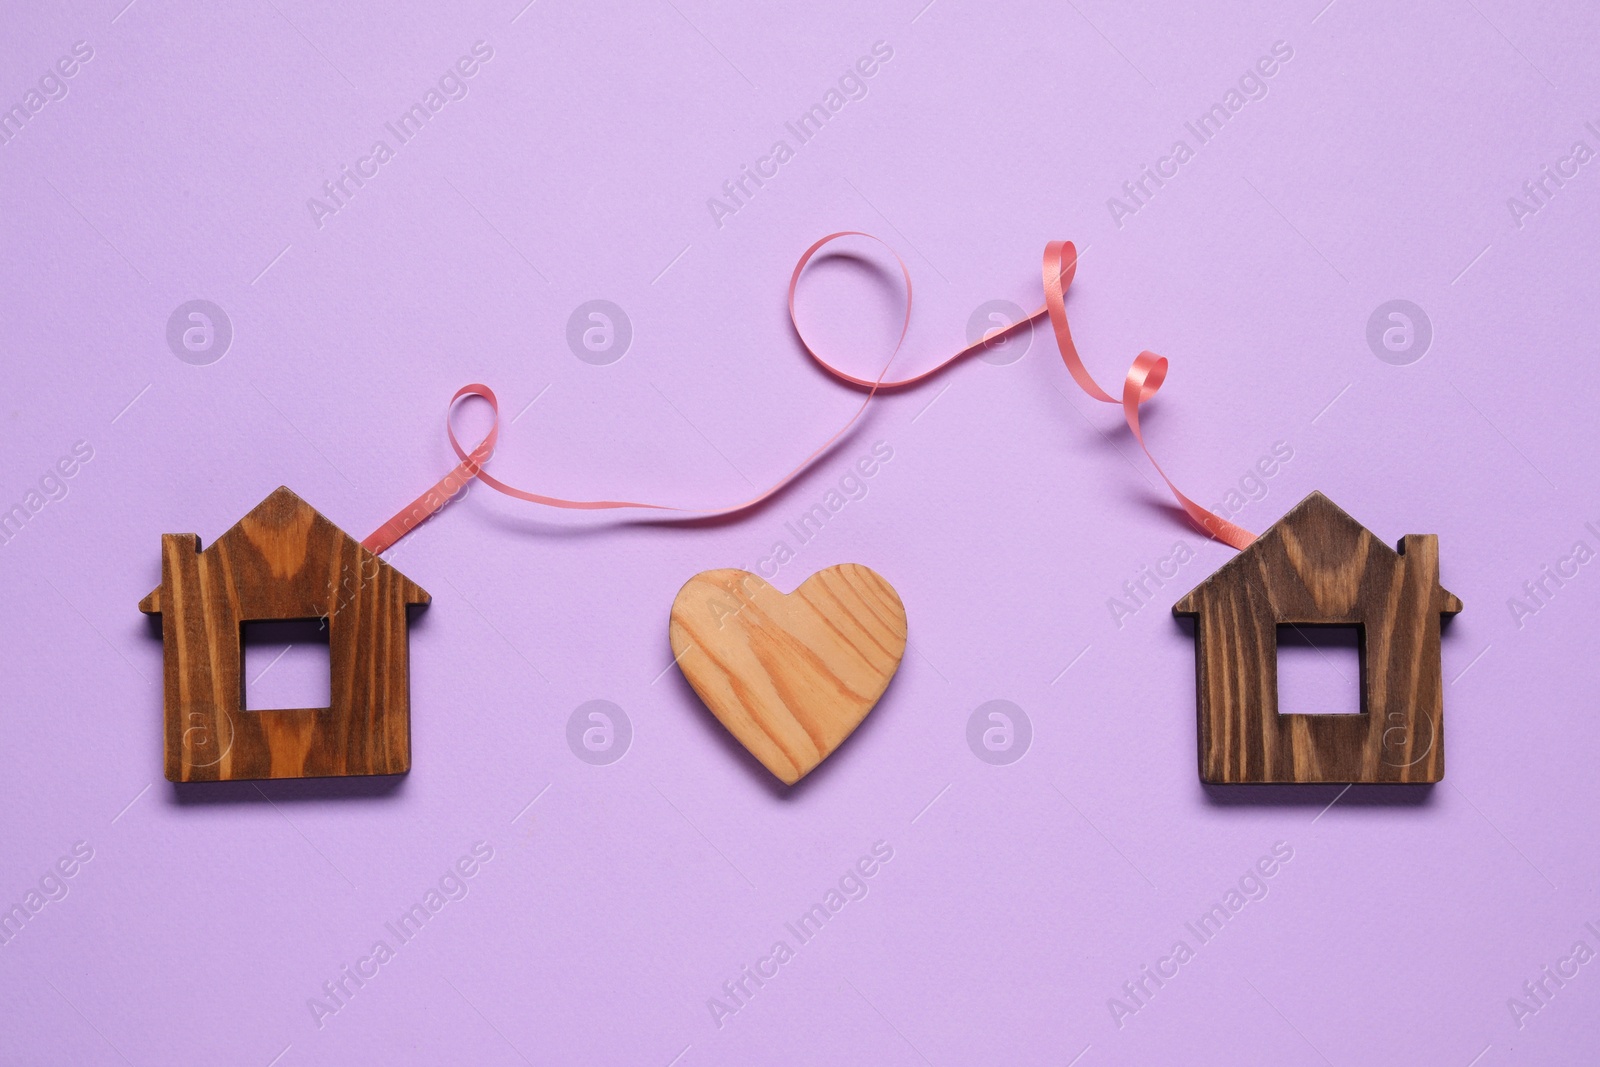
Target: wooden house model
1319 567
282 561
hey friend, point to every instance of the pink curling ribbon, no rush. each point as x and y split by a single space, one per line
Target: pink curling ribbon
1060 262
1142 383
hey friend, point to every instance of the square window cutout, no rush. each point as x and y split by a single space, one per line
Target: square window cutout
1319 669
285 664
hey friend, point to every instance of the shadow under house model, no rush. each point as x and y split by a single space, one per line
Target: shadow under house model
282 561
1319 567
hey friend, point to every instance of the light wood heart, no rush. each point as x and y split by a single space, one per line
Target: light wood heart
790 675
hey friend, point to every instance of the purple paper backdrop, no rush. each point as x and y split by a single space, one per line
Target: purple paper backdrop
1384 158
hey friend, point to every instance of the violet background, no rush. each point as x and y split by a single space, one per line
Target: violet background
1020 898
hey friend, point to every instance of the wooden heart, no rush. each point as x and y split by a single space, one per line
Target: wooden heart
789 675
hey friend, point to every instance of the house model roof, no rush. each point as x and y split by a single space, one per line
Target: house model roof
1316 528
279 529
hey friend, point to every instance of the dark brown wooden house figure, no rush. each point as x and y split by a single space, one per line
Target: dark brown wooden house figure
1318 566
282 561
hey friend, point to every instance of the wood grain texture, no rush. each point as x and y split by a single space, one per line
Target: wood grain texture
791 676
1318 566
282 561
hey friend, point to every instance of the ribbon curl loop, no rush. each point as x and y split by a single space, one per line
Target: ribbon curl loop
1143 381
